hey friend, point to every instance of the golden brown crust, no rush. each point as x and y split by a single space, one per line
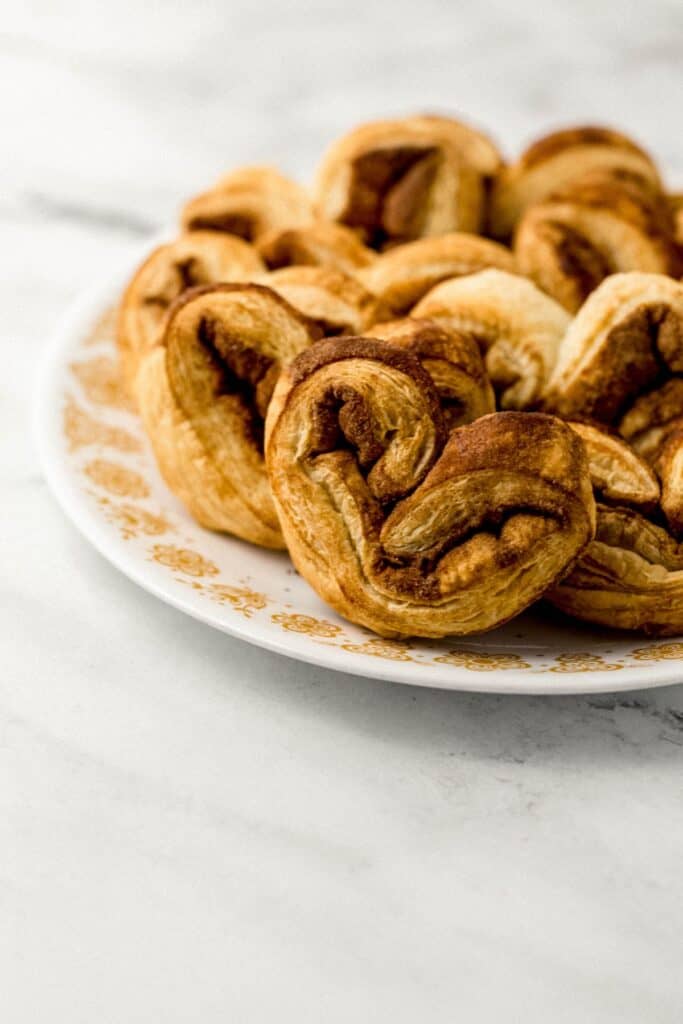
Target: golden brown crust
405 179
397 531
195 258
452 360
336 302
402 275
320 244
554 161
618 475
626 337
603 223
517 326
249 202
629 577
203 393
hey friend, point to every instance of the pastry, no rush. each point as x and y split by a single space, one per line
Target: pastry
203 392
675 202
408 178
601 224
402 528
556 160
249 202
198 257
334 301
517 326
453 361
320 244
403 274
626 338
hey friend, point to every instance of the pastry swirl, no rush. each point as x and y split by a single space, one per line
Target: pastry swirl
404 179
403 274
558 159
516 325
402 529
196 258
203 392
321 244
336 302
626 338
453 361
601 224
249 202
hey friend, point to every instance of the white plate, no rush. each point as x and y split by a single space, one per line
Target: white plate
97 461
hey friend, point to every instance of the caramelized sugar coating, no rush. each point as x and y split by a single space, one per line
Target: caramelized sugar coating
196 258
518 327
558 159
203 392
395 181
453 361
249 202
626 338
399 526
401 276
603 223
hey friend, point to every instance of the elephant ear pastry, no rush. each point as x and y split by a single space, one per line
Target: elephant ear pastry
196 258
404 273
203 392
335 302
321 244
401 528
601 224
555 161
452 360
629 577
517 326
626 336
618 474
249 202
404 179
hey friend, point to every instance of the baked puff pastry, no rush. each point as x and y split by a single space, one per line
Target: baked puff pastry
599 225
515 323
203 391
453 361
556 160
403 274
626 337
321 244
334 301
196 258
631 575
404 530
408 178
249 202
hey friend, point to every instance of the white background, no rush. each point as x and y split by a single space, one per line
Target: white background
195 831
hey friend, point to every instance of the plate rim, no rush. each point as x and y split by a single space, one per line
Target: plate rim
47 396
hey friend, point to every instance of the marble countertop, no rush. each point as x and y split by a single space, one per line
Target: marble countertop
195 830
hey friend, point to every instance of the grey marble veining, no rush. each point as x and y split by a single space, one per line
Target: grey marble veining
192 829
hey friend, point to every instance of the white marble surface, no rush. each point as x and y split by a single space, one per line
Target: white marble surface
193 830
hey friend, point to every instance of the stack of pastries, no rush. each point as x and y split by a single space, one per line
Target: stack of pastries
449 385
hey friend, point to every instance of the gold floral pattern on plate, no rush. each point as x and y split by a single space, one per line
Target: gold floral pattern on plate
101 381
191 563
307 624
242 599
133 521
659 652
82 430
479 661
117 479
378 647
583 662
